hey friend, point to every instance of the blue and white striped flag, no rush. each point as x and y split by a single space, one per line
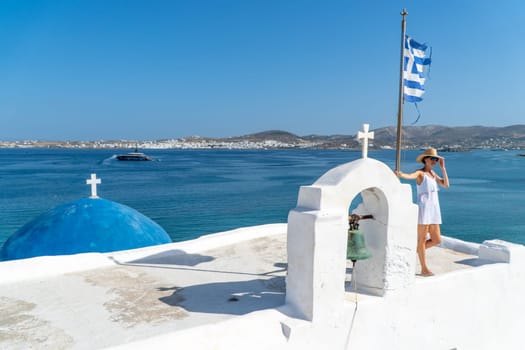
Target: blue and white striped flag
414 69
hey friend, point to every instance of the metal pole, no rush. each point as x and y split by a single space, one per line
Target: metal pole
404 13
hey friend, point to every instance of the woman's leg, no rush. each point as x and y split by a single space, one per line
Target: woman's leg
435 236
422 231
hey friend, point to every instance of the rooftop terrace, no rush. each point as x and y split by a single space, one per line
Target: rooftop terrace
132 295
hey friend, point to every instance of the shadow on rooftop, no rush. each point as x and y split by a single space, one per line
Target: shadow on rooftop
474 262
233 297
174 257
163 261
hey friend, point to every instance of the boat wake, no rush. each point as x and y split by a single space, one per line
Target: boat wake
108 160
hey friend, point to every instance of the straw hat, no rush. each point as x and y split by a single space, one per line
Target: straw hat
429 152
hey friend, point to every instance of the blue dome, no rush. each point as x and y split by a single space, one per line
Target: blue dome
86 225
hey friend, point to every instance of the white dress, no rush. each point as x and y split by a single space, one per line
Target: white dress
428 201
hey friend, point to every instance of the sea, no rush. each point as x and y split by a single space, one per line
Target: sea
191 193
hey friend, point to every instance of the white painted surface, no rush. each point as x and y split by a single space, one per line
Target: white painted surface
317 237
459 245
365 135
476 309
500 251
93 181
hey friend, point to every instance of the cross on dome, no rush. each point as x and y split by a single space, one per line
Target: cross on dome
93 181
365 135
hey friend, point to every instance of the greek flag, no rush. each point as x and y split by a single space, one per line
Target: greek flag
415 62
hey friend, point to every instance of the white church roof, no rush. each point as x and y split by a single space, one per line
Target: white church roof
134 295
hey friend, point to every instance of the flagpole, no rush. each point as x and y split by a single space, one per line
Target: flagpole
404 13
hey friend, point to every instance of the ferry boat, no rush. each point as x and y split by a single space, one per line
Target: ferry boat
135 156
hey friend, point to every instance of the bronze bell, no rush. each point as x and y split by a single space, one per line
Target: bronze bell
356 248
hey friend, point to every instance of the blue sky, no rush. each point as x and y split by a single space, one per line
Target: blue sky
151 69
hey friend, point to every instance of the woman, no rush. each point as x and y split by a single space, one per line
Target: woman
429 217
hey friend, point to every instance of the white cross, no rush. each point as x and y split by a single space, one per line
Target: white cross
93 182
365 135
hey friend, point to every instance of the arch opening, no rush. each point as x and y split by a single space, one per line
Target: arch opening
366 275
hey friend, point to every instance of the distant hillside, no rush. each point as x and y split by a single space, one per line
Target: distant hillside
451 138
321 141
277 135
413 136
466 136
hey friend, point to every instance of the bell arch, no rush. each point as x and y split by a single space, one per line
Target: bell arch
317 237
